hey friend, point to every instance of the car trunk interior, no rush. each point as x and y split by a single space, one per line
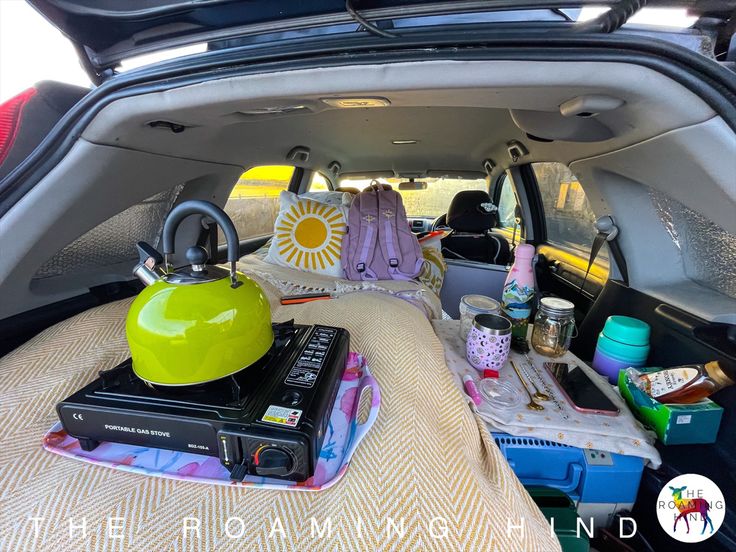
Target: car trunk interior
650 148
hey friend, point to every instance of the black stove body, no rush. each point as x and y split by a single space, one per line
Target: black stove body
266 420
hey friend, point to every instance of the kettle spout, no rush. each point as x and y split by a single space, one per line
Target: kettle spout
149 258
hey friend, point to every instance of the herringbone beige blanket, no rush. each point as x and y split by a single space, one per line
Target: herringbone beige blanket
427 476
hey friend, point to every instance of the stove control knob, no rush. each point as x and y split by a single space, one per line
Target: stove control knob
292 398
274 461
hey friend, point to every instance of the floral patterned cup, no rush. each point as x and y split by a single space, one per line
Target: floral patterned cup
488 342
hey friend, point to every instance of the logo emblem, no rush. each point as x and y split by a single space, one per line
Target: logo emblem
388 213
369 218
691 508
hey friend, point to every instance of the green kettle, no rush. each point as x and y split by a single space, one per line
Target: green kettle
198 323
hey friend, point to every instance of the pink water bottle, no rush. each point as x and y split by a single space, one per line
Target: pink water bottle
518 291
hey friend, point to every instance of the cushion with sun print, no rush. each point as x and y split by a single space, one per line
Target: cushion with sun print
308 235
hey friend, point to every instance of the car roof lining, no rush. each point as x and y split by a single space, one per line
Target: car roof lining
457 110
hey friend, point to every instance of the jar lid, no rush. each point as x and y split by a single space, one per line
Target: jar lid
556 307
480 303
636 355
626 329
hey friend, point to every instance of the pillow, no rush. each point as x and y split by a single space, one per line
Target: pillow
262 251
434 267
308 235
330 198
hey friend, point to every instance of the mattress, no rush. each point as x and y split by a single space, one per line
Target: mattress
427 476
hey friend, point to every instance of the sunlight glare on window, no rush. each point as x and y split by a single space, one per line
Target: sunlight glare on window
254 200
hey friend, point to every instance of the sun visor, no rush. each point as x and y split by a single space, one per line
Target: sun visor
552 125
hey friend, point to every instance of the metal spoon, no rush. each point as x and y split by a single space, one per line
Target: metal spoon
532 405
538 394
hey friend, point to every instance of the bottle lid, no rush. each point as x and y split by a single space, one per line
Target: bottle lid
524 251
627 330
554 306
478 304
717 374
631 355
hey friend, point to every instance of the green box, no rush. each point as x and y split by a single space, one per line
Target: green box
556 504
674 424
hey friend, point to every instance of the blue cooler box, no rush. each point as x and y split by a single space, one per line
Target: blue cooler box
600 483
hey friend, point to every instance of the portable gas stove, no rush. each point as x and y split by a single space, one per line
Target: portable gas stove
266 420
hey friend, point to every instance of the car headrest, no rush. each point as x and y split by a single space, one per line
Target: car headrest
348 189
471 211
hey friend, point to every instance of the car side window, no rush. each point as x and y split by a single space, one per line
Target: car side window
254 200
507 204
318 183
567 212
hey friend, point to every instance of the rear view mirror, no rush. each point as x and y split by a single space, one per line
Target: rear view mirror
410 185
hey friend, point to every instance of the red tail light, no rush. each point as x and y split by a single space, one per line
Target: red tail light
11 113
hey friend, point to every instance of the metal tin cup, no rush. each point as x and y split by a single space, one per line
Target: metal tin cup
489 339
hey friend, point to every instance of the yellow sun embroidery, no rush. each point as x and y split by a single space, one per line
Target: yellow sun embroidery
309 235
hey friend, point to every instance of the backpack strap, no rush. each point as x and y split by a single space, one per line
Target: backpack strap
367 237
389 238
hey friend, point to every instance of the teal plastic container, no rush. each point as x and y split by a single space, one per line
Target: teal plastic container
623 343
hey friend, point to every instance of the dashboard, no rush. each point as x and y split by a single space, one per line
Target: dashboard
420 224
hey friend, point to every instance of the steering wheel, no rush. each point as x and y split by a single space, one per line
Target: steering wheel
440 223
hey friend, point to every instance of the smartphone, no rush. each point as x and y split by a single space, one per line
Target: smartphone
579 390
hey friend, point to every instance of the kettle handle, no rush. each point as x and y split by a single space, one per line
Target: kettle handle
205 208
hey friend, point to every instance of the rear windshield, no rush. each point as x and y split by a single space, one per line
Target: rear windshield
432 201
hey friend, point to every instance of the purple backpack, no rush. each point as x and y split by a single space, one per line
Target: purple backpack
379 244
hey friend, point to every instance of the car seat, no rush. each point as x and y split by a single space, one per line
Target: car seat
30 116
471 216
348 189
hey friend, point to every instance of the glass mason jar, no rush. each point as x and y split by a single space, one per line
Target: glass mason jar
472 305
554 327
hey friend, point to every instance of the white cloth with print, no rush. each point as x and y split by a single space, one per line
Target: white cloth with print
559 422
